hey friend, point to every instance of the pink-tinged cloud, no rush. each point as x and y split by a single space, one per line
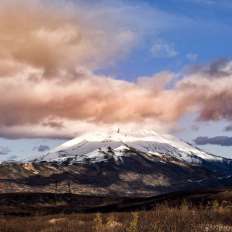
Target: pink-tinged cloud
57 37
91 98
209 89
49 88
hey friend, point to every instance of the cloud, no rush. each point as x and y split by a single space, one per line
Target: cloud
195 128
4 150
212 3
208 89
93 99
204 2
32 106
48 82
42 148
218 140
54 37
48 57
163 49
192 57
228 128
53 124
219 68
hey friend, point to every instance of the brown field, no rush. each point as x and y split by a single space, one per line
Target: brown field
198 212
162 218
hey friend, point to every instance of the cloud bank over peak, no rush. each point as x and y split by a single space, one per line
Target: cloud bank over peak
49 88
38 107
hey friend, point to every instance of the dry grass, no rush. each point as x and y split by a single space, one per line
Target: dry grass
163 218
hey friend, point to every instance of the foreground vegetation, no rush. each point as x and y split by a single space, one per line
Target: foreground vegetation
162 218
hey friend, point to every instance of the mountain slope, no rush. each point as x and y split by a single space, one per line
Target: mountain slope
144 163
99 146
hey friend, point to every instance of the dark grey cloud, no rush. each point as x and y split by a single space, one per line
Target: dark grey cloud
228 128
17 134
195 128
218 68
218 140
4 150
42 148
54 124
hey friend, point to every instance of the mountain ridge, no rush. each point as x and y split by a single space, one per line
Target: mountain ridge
117 143
119 164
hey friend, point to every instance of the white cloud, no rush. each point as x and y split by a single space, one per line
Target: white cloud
192 56
163 49
212 3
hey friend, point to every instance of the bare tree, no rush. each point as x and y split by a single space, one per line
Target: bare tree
69 187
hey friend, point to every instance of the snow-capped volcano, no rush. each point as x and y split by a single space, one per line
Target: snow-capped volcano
100 146
141 163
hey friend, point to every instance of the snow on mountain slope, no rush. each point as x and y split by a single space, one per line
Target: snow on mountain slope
99 146
141 163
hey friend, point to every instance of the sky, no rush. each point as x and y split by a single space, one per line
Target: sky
72 66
